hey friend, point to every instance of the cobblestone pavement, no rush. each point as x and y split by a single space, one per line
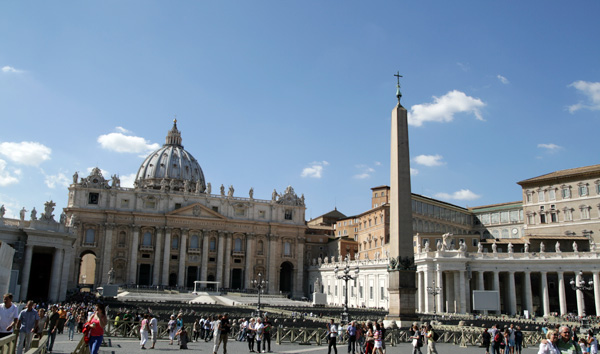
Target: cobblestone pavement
131 346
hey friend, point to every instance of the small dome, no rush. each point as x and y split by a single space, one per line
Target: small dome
171 167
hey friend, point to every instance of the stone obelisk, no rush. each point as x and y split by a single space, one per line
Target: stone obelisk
402 290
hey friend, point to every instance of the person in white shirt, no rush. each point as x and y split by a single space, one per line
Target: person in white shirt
216 328
153 329
592 342
332 333
9 315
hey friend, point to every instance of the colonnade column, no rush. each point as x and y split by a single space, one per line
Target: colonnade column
463 291
299 286
26 272
248 272
220 256
132 277
107 256
497 287
428 277
579 295
226 282
545 295
457 286
157 254
512 294
203 275
420 290
562 298
55 274
66 269
182 257
166 257
449 288
596 279
528 295
439 283
480 280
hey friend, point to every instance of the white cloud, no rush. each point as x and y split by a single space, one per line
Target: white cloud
26 152
429 160
464 67
59 179
10 69
315 170
444 108
11 205
365 172
127 180
6 177
463 194
119 142
122 130
589 89
550 147
377 163
414 171
503 79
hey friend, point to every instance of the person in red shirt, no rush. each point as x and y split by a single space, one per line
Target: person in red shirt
97 322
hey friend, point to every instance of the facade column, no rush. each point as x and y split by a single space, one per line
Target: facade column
66 269
204 274
440 283
449 292
497 288
428 277
220 256
157 253
528 294
132 278
579 295
166 257
298 288
420 297
26 272
55 274
107 256
562 298
545 294
596 278
182 257
463 291
226 281
457 286
512 294
248 271
480 280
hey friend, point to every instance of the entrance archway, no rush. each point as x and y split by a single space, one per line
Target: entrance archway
286 277
87 269
192 276
39 280
172 279
236 278
210 278
145 276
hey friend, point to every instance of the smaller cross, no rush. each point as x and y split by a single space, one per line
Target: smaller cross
398 76
398 93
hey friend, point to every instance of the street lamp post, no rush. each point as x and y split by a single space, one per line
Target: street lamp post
259 284
345 277
581 285
434 290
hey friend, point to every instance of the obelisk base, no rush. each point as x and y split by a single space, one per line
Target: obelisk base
402 301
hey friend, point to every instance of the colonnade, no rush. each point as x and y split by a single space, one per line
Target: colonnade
58 282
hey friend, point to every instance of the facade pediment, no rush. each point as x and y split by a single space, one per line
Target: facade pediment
197 210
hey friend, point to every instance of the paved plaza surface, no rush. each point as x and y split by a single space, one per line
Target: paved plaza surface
131 346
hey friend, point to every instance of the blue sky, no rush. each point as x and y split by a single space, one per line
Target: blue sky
275 93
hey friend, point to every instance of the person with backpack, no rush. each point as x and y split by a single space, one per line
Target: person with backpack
432 337
498 342
417 341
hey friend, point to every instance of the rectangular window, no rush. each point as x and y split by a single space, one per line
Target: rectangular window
541 196
93 198
215 209
328 289
530 219
475 242
504 217
261 214
360 291
495 218
514 216
585 213
177 205
553 217
552 194
529 198
371 292
566 193
568 215
288 214
583 190
382 294
124 203
239 212
336 293
150 204
542 218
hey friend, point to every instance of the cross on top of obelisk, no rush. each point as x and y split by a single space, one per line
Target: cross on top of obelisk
398 93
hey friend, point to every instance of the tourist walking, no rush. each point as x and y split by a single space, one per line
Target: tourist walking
370 340
144 332
9 314
351 330
332 333
70 325
267 335
417 341
216 329
41 323
52 327
250 334
153 324
196 330
97 323
171 327
27 324
260 331
224 329
183 337
486 339
518 340
378 336
431 339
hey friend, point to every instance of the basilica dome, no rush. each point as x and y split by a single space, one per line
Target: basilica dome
171 168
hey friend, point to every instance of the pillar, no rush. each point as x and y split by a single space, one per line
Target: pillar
528 294
428 277
463 291
512 294
457 286
497 288
203 275
157 254
248 269
579 296
299 284
449 292
596 278
545 294
182 257
480 280
226 281
562 298
132 277
107 256
55 274
26 272
66 269
166 257
440 283
220 256
420 295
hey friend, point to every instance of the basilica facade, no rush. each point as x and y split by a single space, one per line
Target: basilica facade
171 229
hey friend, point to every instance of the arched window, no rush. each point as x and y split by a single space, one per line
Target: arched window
260 247
90 236
122 236
287 249
147 239
237 245
194 242
175 243
212 244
